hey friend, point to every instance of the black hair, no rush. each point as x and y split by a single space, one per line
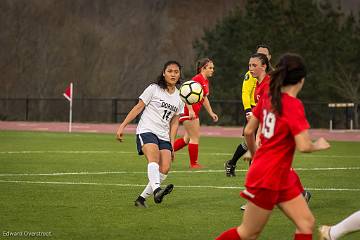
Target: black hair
263 59
161 79
269 50
202 63
263 46
289 71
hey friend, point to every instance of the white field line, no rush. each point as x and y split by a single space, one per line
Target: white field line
66 152
177 186
181 153
180 171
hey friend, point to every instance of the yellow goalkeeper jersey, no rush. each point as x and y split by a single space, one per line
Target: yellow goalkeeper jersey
248 91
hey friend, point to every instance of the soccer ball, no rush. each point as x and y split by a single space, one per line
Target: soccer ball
191 92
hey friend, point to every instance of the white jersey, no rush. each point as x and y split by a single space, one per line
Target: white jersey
160 107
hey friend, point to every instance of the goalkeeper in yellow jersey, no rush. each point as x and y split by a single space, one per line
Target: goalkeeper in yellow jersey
249 101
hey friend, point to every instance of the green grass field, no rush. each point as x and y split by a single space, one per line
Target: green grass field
83 186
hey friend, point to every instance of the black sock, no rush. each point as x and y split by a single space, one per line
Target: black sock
241 150
141 199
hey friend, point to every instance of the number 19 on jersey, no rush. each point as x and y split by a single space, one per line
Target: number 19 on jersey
268 127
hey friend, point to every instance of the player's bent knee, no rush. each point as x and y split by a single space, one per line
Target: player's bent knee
164 170
193 135
307 225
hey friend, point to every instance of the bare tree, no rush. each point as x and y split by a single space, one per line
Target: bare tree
348 86
18 45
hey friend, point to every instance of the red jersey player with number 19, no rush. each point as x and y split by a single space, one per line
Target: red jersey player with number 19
270 181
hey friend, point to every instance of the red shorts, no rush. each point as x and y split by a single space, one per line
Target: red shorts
185 115
297 179
267 198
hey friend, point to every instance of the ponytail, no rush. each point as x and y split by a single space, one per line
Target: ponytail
202 63
277 79
289 71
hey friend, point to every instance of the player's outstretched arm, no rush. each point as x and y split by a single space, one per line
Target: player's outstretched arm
306 145
135 111
209 109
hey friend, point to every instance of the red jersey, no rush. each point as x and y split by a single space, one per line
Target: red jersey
271 166
205 86
262 88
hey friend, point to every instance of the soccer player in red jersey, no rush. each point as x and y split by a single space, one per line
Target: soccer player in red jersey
257 60
259 66
270 181
255 83
190 118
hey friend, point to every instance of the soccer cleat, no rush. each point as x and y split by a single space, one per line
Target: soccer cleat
140 202
196 166
159 193
307 196
229 169
324 233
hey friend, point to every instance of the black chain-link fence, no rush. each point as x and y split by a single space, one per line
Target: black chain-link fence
110 110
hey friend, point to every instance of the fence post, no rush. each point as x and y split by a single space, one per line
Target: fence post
346 116
238 110
114 109
351 115
26 109
331 107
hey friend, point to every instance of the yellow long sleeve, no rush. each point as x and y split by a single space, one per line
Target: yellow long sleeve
248 91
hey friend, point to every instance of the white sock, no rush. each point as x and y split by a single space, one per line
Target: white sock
162 177
349 224
154 175
148 189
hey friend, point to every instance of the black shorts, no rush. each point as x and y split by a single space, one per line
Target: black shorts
144 138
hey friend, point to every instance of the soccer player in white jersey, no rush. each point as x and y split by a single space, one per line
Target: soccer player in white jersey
157 128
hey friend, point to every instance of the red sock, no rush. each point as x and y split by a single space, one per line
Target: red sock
193 153
300 236
230 234
179 144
